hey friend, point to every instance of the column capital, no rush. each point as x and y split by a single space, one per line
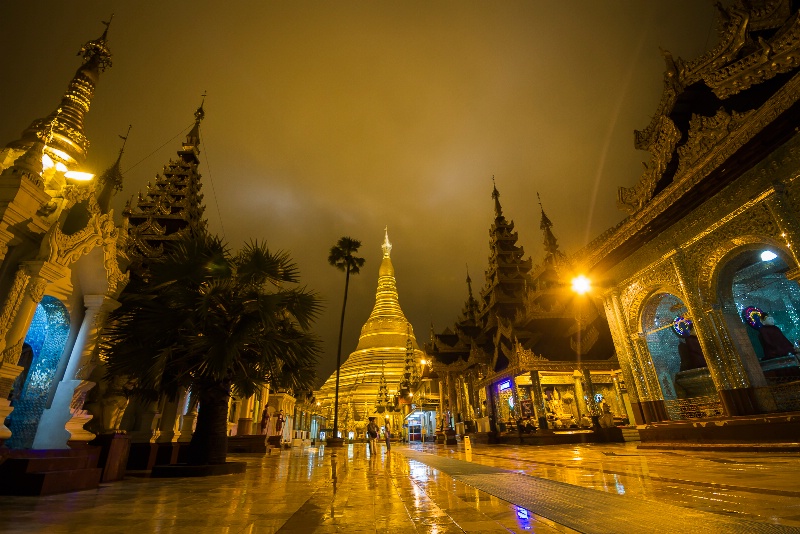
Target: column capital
100 301
46 270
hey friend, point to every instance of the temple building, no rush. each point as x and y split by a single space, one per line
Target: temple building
375 378
526 352
700 280
61 268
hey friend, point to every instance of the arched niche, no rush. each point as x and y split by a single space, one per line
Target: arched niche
752 278
675 352
47 338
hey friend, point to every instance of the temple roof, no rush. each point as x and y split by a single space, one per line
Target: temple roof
172 205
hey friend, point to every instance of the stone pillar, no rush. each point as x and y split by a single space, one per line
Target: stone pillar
724 365
459 408
168 423
64 421
189 419
591 405
27 290
515 396
245 422
580 402
629 364
539 407
653 408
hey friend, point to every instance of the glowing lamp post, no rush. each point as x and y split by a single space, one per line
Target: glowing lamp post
581 285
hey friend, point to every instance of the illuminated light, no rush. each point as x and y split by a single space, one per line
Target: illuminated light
423 362
79 176
504 385
768 255
60 167
47 162
410 393
581 285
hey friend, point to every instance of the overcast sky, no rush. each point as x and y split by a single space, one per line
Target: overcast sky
326 119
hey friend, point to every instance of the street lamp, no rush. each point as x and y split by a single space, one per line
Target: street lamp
581 285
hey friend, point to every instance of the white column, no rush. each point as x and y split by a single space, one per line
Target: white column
63 421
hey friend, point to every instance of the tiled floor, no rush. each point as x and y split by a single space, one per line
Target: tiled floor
314 491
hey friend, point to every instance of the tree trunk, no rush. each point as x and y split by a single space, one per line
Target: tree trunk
339 357
209 443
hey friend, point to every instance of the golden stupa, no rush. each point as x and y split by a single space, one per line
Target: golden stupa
385 339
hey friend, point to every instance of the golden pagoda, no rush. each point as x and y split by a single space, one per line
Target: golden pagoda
379 359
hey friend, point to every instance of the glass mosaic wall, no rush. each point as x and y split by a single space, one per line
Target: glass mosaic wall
662 341
47 336
764 285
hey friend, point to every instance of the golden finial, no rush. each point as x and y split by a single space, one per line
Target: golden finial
387 246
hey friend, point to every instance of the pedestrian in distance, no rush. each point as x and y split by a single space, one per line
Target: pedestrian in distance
387 435
372 436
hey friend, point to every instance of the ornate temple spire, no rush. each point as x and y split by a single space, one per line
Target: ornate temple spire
410 374
110 181
387 318
498 209
173 204
552 254
193 137
69 144
387 246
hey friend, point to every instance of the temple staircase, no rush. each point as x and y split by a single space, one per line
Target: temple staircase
630 433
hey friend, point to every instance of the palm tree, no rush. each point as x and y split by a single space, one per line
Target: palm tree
342 256
215 322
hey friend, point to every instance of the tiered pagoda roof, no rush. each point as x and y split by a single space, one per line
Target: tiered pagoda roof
172 205
521 308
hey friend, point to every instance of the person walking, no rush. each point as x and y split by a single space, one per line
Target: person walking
372 436
264 421
387 435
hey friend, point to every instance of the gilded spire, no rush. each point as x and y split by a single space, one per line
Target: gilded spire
387 246
69 144
387 320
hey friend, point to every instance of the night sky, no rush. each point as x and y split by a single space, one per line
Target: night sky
326 119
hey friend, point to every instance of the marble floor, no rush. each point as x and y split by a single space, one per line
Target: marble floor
437 489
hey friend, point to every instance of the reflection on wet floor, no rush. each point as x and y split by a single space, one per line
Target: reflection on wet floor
758 486
312 490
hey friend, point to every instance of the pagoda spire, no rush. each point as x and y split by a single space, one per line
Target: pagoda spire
387 318
552 254
173 205
111 180
498 209
387 246
69 144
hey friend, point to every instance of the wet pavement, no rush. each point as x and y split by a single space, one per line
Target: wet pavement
437 489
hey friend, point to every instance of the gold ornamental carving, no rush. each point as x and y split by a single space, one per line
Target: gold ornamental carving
769 59
14 299
633 199
705 133
36 288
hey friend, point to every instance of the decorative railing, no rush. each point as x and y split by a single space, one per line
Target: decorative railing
694 407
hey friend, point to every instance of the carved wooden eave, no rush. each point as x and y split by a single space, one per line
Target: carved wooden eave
707 151
633 199
778 55
680 74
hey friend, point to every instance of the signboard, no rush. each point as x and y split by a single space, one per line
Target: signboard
526 407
